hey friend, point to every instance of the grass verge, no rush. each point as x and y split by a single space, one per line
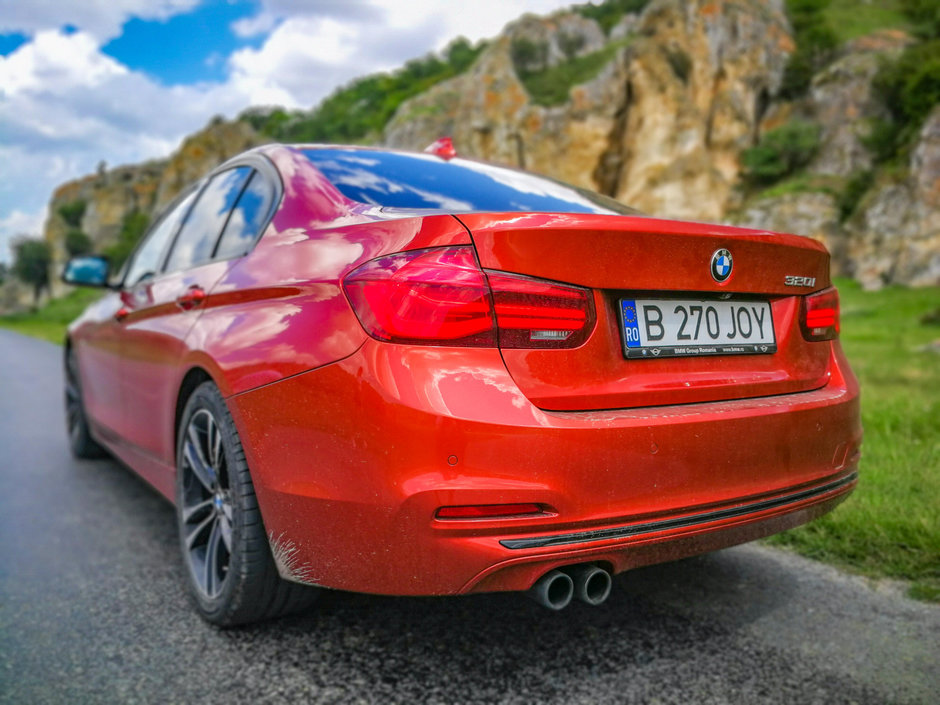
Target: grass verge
890 527
50 321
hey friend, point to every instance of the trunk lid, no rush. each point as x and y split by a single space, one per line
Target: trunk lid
625 259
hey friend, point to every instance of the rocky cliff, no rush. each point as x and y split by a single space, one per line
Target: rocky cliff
110 196
655 112
659 127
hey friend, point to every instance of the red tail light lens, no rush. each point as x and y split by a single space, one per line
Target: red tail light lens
442 297
532 313
819 315
424 296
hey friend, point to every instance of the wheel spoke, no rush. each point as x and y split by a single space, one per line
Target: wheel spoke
198 531
190 511
214 438
196 461
212 558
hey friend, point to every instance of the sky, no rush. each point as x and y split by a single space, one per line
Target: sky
122 81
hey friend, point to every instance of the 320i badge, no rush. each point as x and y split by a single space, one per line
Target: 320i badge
416 374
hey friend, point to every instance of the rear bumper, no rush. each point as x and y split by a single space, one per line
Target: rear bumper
351 462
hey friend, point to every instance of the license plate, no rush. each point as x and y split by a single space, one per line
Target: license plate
687 328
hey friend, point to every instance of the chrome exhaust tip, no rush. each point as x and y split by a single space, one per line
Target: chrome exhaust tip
553 590
591 584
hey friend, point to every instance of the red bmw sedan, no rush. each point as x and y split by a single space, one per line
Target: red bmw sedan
416 374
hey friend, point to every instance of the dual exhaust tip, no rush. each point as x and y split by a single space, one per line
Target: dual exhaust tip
557 588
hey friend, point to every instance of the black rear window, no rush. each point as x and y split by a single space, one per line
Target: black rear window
419 181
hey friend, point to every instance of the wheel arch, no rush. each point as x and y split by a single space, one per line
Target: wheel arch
191 381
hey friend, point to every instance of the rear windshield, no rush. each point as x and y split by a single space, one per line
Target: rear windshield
425 181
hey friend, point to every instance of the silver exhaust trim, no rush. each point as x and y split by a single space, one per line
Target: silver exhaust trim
591 584
553 590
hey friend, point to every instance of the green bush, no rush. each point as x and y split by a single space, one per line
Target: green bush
132 229
815 45
780 152
77 243
925 16
528 55
608 13
909 87
72 213
856 187
551 86
570 44
360 110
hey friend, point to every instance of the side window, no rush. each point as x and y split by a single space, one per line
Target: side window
147 258
247 219
200 231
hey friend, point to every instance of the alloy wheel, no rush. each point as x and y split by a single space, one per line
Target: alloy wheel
207 505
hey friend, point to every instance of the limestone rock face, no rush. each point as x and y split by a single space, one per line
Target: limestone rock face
554 40
111 195
490 116
699 80
813 214
201 153
895 235
659 127
843 103
673 96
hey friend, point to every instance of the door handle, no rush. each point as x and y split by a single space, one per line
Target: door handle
192 298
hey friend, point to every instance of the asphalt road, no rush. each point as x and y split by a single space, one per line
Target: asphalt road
93 609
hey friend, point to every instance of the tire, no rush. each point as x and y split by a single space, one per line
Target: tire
229 567
81 443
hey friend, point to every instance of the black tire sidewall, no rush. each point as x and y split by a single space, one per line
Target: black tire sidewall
81 444
220 608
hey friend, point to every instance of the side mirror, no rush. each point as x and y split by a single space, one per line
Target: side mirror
87 270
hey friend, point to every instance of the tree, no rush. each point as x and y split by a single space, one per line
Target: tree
31 260
3 272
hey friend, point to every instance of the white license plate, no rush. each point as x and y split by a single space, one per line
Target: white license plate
687 327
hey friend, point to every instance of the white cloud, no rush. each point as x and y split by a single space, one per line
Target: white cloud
65 106
318 45
102 19
16 224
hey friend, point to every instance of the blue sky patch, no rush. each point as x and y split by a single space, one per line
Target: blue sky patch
185 49
11 42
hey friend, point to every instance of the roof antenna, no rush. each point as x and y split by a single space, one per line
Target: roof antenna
442 147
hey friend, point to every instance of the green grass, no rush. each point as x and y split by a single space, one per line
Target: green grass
890 526
50 321
803 182
855 18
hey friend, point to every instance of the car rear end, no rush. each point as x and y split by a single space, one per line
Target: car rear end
559 390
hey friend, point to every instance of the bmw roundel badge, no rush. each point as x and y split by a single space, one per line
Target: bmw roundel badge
721 265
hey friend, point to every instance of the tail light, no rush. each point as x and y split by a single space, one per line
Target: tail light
819 315
442 297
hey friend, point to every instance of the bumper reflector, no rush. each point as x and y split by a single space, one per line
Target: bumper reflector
487 511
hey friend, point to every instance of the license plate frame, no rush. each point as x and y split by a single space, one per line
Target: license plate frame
715 327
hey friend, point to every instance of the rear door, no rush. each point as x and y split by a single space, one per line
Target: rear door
162 308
